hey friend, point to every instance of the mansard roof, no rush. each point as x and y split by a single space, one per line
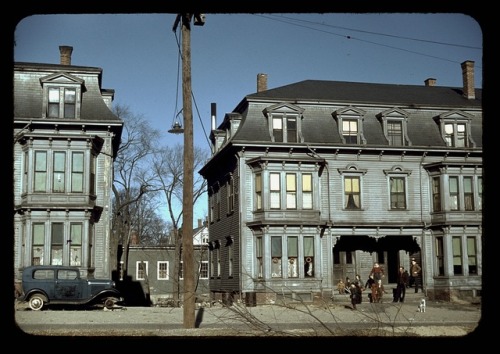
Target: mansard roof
321 99
28 90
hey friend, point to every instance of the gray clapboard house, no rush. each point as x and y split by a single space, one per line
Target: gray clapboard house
65 141
315 181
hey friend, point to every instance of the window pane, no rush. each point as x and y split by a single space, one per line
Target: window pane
293 246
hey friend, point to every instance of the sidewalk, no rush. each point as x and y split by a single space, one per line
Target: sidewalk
439 319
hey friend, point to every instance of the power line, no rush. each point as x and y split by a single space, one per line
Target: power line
288 20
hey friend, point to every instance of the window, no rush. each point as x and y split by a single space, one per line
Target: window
454 196
307 195
275 190
57 162
468 194
230 195
162 270
352 186
141 270
350 125
397 192
352 193
77 172
40 178
181 270
308 256
258 191
204 270
218 206
472 255
394 123
293 253
440 255
436 194
76 231
291 191
38 243
395 133
258 255
59 175
61 102
480 193
229 245
217 252
350 131
284 123
285 129
276 255
455 134
57 241
457 256
455 129
212 207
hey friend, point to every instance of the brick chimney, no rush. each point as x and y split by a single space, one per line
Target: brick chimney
65 51
430 82
468 79
261 82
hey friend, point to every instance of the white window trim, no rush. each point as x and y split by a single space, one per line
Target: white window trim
398 172
350 113
392 115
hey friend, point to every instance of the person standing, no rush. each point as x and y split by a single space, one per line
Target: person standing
378 273
401 282
415 272
369 283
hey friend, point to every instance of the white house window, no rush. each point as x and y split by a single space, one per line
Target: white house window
38 243
162 270
352 180
141 270
57 243
350 125
204 270
455 129
275 190
394 123
62 96
75 241
61 102
397 186
276 256
284 123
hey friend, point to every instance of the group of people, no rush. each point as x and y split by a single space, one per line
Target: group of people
374 284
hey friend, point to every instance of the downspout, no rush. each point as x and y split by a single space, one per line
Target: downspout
423 264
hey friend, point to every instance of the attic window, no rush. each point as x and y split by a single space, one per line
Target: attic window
350 125
284 123
455 129
395 126
62 96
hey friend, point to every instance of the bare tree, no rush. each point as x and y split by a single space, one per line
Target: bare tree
129 185
167 176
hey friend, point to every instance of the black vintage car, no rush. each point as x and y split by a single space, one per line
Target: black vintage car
62 285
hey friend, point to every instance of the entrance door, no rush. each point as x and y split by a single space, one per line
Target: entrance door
344 265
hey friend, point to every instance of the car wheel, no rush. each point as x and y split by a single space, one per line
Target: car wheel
37 301
109 303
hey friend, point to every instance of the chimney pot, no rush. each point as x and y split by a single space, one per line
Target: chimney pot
261 82
468 79
65 51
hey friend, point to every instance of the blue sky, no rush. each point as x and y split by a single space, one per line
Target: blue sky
139 55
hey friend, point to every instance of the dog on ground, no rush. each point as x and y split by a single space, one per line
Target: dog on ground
421 306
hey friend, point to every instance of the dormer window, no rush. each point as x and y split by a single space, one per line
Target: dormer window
394 124
284 123
62 96
62 101
455 129
350 125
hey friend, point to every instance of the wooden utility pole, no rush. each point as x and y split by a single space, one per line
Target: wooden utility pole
188 268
